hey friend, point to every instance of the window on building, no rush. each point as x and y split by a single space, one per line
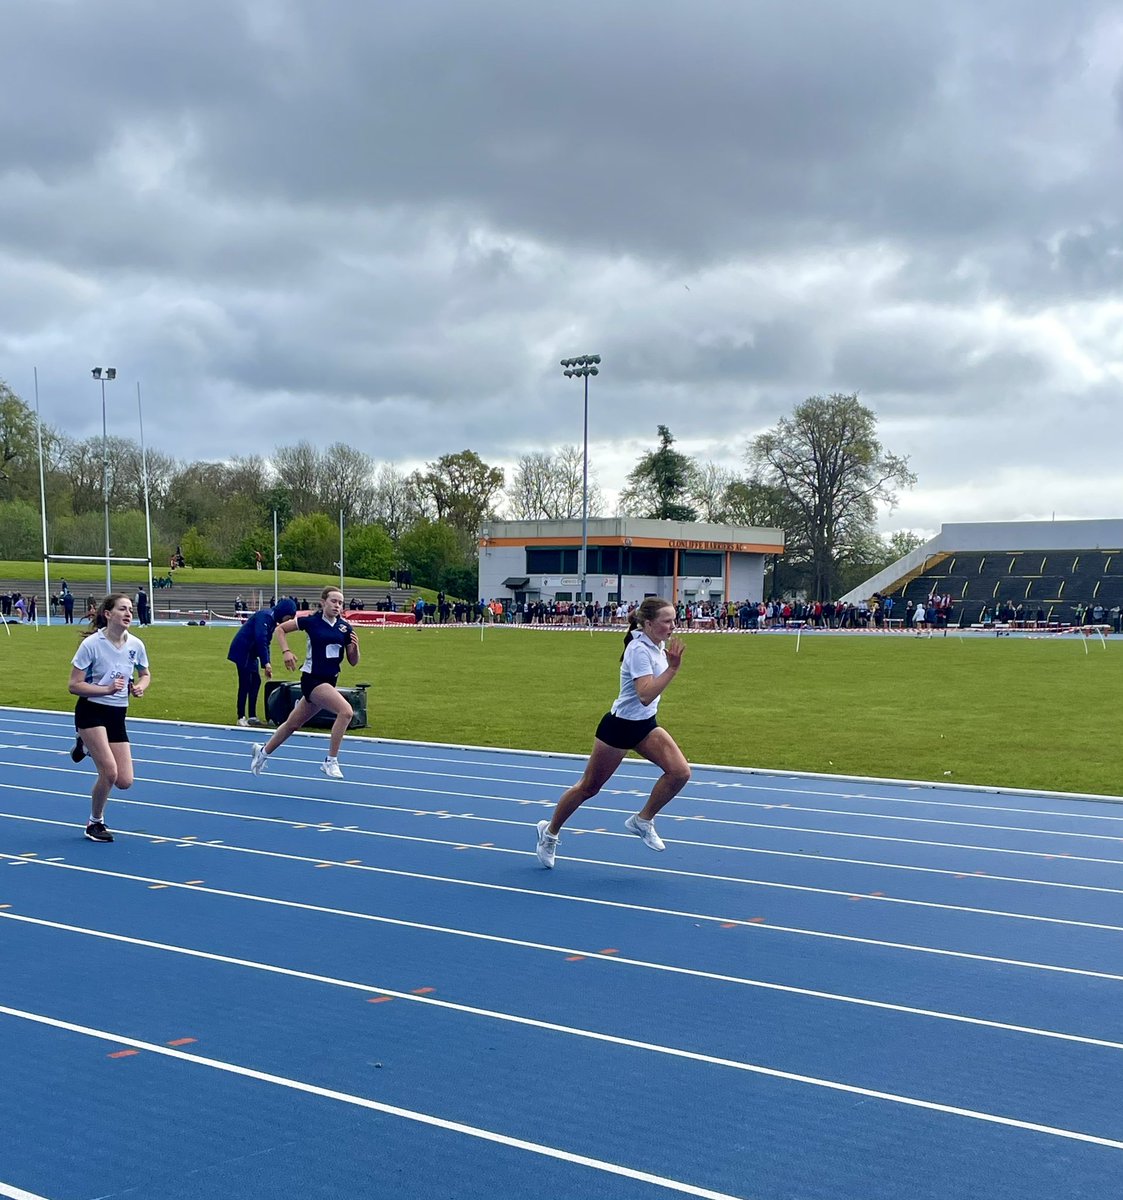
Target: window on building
698 562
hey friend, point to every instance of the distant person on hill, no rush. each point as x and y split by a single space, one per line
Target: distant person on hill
111 665
251 647
650 662
329 639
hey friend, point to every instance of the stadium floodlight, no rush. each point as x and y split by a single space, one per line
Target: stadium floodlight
105 375
582 368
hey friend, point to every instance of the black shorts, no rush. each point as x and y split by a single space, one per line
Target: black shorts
87 715
622 733
309 683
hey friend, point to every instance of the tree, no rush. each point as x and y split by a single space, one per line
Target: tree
461 487
661 483
298 470
827 462
550 487
21 532
428 549
310 543
347 483
397 503
368 551
19 448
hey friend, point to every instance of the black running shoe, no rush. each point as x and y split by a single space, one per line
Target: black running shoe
79 751
97 832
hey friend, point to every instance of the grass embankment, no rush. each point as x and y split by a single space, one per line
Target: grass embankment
1008 712
134 573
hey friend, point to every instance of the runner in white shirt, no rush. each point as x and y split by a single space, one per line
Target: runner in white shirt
647 666
111 665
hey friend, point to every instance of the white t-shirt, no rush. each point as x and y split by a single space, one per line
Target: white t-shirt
918 614
642 657
101 660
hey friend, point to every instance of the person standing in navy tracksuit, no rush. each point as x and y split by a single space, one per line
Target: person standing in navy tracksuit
330 638
251 646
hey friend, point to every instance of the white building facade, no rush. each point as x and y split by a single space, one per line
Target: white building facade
627 557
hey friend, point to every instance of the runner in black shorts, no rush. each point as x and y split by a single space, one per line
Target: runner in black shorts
102 677
330 638
647 666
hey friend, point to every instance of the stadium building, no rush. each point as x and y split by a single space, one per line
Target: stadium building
1063 572
527 561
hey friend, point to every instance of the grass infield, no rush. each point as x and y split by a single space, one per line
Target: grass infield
1013 712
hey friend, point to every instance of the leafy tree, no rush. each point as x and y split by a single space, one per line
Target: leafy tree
21 531
429 548
368 551
310 543
19 448
549 487
660 484
461 487
832 470
461 582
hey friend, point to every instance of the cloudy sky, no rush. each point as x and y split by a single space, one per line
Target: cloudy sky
385 224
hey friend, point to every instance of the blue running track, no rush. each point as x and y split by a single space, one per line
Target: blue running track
288 986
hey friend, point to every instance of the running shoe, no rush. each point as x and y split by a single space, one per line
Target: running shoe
97 832
253 721
260 758
547 844
243 722
79 751
330 767
646 830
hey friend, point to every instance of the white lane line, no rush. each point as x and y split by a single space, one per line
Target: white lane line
833 1085
703 845
391 1110
589 955
692 797
15 1193
787 778
667 912
766 884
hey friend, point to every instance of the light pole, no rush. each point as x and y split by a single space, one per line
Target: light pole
583 367
104 375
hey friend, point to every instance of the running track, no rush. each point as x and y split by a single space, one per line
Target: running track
293 987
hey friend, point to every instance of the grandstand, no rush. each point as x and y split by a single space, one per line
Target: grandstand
1059 572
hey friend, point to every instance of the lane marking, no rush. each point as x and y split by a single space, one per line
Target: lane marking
391 1110
770 826
749 1068
776 885
15 1193
401 749
753 922
573 955
758 850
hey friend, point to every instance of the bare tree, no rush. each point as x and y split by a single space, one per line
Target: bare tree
347 483
830 467
298 471
397 503
548 487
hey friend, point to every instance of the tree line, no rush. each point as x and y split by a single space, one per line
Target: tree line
819 475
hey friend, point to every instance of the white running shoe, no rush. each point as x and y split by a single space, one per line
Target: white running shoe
243 722
260 758
547 844
646 830
330 767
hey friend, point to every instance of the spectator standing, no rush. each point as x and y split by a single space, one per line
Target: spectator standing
251 647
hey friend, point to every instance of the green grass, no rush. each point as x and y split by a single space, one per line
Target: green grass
1006 712
94 572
